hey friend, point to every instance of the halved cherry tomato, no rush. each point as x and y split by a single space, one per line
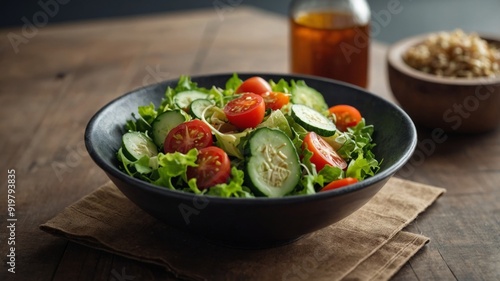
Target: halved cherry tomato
275 100
339 183
323 153
256 85
246 111
346 115
214 167
188 135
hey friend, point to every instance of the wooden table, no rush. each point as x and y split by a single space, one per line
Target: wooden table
62 74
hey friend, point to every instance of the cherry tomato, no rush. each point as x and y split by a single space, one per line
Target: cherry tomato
346 115
275 100
214 167
188 135
246 111
323 153
255 85
339 183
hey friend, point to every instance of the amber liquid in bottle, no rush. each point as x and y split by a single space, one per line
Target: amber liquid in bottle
330 44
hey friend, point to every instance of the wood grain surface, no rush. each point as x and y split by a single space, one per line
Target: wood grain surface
62 74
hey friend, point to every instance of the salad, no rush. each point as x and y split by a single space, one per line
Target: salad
250 138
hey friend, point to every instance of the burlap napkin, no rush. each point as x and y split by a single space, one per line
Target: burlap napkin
368 245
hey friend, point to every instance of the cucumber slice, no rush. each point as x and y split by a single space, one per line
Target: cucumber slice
272 166
312 120
305 95
198 106
165 122
184 99
135 145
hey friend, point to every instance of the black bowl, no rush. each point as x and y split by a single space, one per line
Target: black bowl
258 222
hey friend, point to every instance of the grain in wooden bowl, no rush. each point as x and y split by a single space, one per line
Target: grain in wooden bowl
448 80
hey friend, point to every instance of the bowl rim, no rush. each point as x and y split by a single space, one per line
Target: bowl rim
395 59
182 195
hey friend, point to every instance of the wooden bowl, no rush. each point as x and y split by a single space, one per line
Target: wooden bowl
462 105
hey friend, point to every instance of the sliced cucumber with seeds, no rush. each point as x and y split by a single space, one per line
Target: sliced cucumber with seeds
198 106
272 166
305 95
184 99
165 122
135 145
312 120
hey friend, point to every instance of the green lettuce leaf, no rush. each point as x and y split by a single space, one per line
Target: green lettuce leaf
234 188
357 147
163 169
362 167
185 84
330 173
307 183
277 120
172 165
233 83
281 86
217 95
148 112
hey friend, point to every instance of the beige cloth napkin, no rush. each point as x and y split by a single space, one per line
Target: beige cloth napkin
368 245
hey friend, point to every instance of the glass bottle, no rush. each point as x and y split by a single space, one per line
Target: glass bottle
330 38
